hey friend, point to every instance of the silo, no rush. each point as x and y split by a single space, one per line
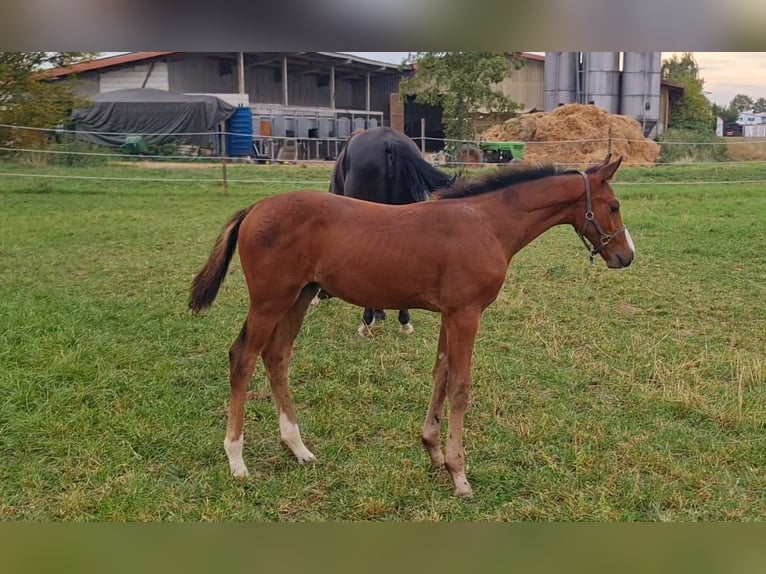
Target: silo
560 79
640 93
569 68
602 80
551 80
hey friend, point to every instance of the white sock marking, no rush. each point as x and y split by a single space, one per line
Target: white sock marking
233 450
291 436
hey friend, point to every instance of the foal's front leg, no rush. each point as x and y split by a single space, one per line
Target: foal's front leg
461 335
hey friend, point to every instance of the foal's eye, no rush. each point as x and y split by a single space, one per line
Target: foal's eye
614 208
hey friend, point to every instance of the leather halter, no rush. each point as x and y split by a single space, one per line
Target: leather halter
590 219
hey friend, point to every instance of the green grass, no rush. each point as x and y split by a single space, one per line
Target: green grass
598 395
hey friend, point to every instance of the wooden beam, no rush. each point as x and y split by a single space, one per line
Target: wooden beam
285 100
332 87
241 72
367 93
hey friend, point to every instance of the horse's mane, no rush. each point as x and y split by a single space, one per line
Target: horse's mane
499 180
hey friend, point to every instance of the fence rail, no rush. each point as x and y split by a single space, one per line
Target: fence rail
31 155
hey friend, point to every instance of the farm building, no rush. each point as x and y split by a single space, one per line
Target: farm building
752 124
302 103
326 96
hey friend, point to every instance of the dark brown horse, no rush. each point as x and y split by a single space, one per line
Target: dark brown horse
385 166
448 256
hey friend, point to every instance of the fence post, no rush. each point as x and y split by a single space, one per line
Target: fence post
423 137
609 144
223 159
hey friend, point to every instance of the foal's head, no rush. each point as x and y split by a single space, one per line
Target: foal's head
599 221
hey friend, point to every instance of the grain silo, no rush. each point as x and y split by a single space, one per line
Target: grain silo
601 80
560 79
640 90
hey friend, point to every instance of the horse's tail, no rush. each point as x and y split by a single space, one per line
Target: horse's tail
339 171
207 282
406 166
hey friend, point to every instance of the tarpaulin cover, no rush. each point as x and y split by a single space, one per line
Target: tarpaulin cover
160 117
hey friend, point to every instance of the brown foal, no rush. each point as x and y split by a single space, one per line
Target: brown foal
449 256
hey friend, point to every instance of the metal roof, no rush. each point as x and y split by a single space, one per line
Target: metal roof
133 57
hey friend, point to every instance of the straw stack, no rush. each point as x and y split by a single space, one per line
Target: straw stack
576 133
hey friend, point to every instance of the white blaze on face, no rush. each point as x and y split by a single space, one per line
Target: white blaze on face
291 436
629 239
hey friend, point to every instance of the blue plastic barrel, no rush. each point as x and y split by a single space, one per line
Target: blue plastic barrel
239 133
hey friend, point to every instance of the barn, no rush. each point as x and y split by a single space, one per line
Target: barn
326 95
302 104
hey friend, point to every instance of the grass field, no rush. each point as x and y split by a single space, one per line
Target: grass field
598 394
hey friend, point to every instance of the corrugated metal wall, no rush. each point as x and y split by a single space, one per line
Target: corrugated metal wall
526 85
195 74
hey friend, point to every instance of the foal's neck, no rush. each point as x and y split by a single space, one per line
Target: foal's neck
524 212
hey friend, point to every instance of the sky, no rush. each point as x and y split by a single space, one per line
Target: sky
726 74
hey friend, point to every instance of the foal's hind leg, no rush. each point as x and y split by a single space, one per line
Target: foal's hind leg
276 356
404 320
242 356
432 424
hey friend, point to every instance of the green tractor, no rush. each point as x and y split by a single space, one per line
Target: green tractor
502 152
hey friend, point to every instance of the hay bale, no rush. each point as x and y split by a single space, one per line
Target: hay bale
576 133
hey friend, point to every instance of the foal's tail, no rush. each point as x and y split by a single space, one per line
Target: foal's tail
419 177
207 282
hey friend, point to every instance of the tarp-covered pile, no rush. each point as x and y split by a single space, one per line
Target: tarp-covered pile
576 133
159 116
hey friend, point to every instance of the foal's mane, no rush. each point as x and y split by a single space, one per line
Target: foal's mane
499 180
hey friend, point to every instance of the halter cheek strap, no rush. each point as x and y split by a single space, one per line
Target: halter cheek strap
590 219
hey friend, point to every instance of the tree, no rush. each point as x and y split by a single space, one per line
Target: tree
741 103
759 105
727 114
462 84
693 111
27 99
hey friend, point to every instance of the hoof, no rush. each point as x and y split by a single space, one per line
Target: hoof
408 329
240 472
364 331
465 492
306 457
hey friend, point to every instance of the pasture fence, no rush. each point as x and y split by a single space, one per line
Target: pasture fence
62 148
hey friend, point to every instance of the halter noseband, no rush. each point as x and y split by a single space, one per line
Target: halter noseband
590 219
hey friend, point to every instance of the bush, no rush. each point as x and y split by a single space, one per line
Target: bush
685 145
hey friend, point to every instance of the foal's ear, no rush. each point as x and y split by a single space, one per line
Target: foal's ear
607 171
